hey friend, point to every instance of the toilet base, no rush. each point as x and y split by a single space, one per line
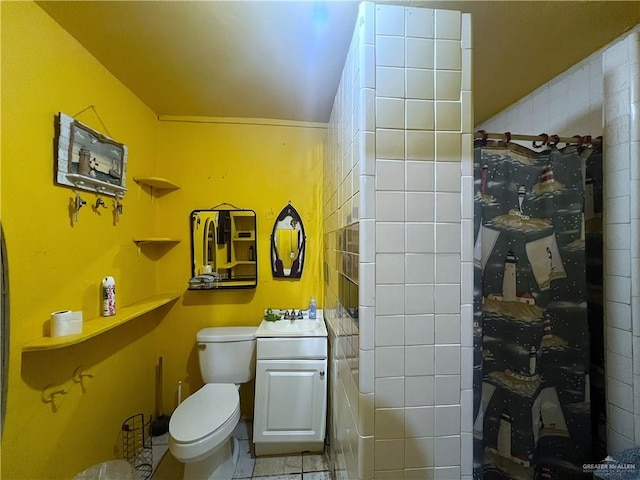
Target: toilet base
220 465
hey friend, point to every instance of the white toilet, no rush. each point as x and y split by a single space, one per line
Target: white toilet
200 428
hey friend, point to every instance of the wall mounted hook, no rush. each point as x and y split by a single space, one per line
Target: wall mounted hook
79 374
78 203
99 203
117 208
50 392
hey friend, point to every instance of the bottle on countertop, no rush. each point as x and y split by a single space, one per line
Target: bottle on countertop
312 309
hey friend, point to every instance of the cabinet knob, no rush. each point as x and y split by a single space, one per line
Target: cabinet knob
322 374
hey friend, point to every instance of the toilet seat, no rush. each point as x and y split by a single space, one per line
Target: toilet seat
204 421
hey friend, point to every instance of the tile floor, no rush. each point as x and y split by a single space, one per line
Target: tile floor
301 466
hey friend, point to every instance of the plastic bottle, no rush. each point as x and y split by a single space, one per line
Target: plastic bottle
108 297
312 309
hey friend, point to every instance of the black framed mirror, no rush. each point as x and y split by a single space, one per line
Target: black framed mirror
223 249
288 244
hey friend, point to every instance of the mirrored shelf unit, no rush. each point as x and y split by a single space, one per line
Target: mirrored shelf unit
89 183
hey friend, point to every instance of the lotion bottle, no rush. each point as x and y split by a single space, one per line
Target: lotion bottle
108 297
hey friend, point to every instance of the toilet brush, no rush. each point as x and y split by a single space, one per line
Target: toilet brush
160 424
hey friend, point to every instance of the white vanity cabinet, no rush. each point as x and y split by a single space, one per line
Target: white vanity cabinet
291 395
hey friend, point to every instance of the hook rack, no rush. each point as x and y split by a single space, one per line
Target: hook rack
84 182
545 139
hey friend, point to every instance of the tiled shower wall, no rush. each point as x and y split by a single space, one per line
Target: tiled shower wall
603 93
399 223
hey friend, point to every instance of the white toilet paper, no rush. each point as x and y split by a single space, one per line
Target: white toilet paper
66 322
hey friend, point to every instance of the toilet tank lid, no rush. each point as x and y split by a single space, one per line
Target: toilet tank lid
226 334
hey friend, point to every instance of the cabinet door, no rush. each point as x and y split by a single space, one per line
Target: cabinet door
291 401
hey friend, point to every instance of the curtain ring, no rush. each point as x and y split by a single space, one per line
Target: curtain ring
507 137
579 139
545 140
587 140
555 139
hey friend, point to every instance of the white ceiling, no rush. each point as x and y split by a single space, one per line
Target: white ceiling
283 59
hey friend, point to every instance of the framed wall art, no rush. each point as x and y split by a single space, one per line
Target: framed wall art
288 244
89 160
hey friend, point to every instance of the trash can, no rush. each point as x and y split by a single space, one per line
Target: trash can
111 470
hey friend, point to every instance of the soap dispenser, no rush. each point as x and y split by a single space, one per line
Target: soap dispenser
312 309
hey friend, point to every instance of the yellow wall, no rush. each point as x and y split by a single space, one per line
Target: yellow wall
255 166
56 265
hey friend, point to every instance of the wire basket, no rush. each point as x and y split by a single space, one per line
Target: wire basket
136 446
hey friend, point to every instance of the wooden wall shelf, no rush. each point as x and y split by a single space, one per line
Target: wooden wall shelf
154 240
157 183
96 326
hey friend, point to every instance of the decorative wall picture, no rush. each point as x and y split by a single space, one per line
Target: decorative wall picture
288 243
89 160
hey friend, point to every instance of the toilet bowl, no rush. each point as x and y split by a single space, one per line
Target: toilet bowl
201 427
200 436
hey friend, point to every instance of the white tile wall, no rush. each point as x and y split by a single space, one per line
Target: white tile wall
394 163
600 96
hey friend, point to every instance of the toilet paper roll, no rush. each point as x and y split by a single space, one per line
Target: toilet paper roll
66 322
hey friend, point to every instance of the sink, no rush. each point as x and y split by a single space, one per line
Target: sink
300 327
291 326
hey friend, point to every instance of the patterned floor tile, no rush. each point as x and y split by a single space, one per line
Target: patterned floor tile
314 462
292 476
316 476
266 466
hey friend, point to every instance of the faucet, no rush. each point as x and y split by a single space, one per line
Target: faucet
292 315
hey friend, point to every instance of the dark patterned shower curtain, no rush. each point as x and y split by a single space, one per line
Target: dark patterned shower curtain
531 331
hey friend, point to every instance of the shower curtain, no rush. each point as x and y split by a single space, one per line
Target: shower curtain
531 331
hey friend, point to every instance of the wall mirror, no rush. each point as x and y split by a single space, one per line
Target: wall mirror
223 249
288 243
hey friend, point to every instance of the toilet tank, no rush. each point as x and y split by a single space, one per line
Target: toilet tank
227 354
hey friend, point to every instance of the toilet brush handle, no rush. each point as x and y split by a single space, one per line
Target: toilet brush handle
160 409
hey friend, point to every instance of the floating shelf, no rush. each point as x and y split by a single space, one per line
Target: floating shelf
237 262
156 240
96 326
157 182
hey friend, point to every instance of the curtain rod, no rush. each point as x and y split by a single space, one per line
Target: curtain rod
543 138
